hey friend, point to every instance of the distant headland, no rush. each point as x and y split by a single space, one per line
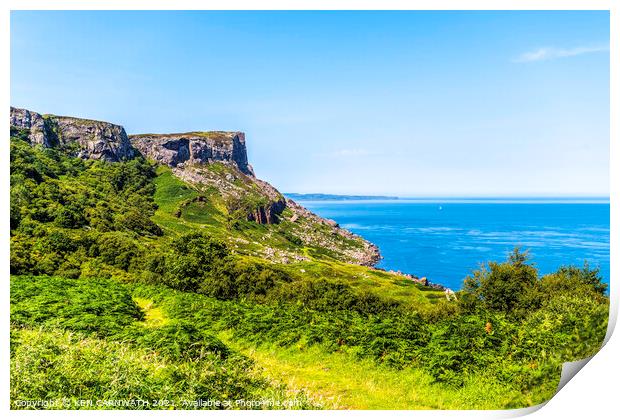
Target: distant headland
331 197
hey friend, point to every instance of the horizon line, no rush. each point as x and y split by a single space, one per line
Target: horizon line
470 197
584 198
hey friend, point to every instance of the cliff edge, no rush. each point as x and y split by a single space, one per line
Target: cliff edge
91 139
202 147
209 160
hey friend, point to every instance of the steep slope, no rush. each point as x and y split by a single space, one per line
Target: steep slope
215 164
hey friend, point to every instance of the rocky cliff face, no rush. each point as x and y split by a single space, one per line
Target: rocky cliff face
195 148
215 159
39 132
91 139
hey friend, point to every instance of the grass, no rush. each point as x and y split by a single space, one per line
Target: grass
148 342
70 370
174 196
170 192
214 135
366 279
72 341
153 316
341 381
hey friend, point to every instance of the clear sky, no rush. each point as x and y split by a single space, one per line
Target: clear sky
403 103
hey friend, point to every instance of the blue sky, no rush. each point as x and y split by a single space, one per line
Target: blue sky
404 103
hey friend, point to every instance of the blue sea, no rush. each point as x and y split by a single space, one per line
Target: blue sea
444 240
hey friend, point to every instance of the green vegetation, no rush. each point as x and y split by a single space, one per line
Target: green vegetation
129 284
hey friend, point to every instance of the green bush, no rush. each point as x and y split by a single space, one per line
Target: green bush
502 286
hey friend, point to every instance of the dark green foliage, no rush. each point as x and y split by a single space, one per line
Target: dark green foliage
467 345
117 249
237 278
291 238
502 287
514 288
389 338
107 309
330 295
74 368
178 360
178 340
66 211
48 186
192 257
574 280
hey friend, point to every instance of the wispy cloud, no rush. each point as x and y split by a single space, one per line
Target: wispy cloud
550 53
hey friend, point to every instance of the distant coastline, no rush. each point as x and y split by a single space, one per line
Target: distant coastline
453 199
336 197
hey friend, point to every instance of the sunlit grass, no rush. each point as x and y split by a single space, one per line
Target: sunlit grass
342 381
153 316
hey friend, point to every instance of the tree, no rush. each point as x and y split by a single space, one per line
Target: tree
505 287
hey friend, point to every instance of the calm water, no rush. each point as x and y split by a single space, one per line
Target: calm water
445 240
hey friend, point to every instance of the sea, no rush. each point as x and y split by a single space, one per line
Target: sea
444 240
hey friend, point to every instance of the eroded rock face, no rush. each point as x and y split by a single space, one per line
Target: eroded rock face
97 139
33 121
268 214
195 148
94 139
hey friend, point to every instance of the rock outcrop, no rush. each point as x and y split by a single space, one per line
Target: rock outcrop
257 199
195 148
215 159
267 214
305 223
39 132
91 139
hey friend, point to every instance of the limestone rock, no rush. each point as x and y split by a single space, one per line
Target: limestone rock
33 121
97 139
94 139
195 148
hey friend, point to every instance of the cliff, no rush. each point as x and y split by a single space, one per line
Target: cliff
91 139
195 148
208 161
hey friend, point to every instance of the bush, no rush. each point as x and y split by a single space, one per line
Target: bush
115 249
330 295
176 340
99 306
191 259
501 287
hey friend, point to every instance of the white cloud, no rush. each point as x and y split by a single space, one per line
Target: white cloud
550 53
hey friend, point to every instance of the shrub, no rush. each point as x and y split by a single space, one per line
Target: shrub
501 287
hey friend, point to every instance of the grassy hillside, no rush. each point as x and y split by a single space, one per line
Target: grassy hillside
129 283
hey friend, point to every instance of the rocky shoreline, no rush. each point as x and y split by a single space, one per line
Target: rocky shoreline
422 281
